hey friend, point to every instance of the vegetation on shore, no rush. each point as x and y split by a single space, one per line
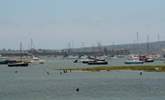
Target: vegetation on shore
147 68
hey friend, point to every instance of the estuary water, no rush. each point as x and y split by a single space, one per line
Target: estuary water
43 82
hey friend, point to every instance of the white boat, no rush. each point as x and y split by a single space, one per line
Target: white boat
2 57
37 60
133 61
133 57
86 60
101 58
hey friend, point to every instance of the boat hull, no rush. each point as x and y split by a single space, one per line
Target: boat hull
8 61
134 62
98 63
18 65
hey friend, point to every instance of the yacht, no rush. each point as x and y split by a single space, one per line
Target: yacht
37 60
133 61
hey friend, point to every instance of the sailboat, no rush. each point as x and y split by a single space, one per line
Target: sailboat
19 63
133 59
34 59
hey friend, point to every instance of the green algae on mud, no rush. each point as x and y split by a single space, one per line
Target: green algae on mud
147 68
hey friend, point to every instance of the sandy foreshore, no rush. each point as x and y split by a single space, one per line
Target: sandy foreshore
147 68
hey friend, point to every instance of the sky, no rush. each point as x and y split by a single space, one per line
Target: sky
58 24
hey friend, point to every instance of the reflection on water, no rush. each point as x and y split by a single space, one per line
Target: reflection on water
33 83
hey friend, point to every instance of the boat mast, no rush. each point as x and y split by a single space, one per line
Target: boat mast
31 44
158 37
138 49
21 51
148 47
158 41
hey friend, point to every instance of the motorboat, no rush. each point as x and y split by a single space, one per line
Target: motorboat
18 64
146 58
134 61
37 60
7 61
85 61
97 62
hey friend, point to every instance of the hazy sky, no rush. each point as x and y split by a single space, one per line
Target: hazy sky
55 23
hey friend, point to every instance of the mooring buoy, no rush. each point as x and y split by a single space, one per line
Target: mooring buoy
77 89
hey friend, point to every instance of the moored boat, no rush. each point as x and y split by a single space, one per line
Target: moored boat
18 64
6 61
149 60
145 58
37 60
134 61
85 61
97 62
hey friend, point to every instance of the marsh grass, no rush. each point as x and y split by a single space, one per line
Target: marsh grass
147 68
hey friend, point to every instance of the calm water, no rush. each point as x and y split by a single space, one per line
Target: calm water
34 83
